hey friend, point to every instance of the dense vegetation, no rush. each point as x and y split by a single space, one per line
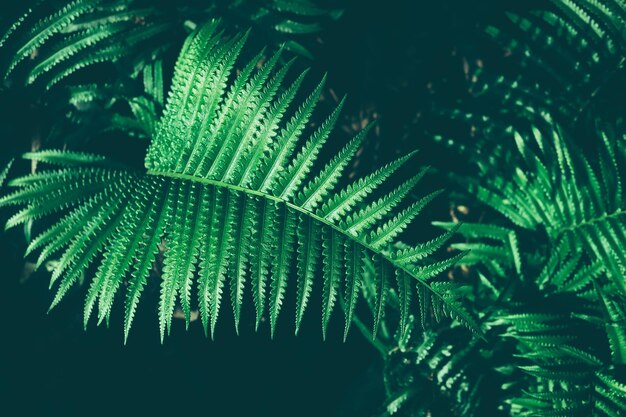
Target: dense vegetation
195 155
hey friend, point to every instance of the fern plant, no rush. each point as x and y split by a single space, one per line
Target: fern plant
232 191
562 372
85 63
545 254
548 266
563 56
532 167
550 186
82 33
235 197
562 244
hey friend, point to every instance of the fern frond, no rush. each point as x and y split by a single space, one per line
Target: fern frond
83 33
5 172
308 257
222 228
554 188
49 26
570 50
64 158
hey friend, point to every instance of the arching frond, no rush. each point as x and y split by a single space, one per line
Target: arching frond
226 227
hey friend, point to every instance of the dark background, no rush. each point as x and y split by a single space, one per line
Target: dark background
396 60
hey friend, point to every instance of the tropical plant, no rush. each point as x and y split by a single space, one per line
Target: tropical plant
133 33
562 56
525 315
558 244
98 63
547 266
233 198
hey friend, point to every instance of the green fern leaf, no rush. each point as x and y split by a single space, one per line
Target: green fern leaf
308 256
224 204
332 260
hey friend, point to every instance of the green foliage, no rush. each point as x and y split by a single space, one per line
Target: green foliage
5 172
232 193
547 262
562 56
545 184
234 199
564 373
97 65
133 33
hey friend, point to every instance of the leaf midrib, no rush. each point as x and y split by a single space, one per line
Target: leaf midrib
588 222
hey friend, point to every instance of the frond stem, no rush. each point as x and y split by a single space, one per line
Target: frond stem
590 222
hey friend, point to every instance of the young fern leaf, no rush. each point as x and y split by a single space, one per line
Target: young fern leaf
226 227
308 257
355 268
332 259
261 255
283 249
405 292
47 27
64 158
5 172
